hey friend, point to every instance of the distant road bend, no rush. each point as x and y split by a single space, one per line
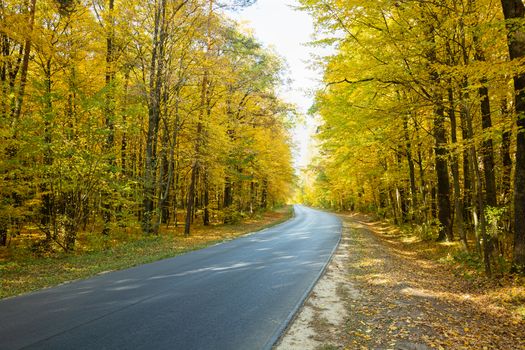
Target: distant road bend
235 295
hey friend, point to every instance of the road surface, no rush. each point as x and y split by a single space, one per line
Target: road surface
235 295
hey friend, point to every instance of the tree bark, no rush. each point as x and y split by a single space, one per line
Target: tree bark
487 148
458 204
440 148
124 141
25 62
191 198
206 200
109 110
513 9
199 137
196 164
507 166
264 194
443 182
8 74
155 86
47 209
411 170
110 77
482 241
393 206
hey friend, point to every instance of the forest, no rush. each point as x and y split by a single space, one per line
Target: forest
147 114
422 116
150 154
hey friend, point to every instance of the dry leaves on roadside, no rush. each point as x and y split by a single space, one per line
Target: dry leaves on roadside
408 302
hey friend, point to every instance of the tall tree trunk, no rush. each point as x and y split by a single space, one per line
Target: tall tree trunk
164 178
109 110
467 180
400 191
166 163
465 119
124 141
25 62
485 246
4 54
411 169
264 194
196 164
47 210
443 182
458 204
155 86
228 199
4 225
176 189
393 206
8 79
440 149
190 210
252 195
424 212
171 167
487 147
507 165
487 151
513 9
191 198
199 138
206 199
110 77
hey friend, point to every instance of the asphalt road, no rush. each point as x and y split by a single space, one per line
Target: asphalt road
235 295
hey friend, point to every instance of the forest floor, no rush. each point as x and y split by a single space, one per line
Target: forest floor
22 269
387 290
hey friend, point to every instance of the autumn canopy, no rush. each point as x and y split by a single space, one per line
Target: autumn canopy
115 113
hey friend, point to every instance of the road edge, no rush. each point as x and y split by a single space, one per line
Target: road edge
276 337
223 241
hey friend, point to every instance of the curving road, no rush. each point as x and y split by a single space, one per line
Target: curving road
235 295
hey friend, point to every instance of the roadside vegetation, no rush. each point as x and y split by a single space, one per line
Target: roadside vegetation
422 128
388 289
129 114
23 269
422 122
413 293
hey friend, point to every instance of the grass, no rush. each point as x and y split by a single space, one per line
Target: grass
23 271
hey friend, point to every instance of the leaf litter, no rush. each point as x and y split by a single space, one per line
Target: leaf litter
381 293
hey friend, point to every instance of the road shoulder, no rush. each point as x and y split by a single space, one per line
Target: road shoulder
376 293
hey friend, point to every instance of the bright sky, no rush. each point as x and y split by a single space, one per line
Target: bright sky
277 24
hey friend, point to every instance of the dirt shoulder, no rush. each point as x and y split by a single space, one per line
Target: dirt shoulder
378 293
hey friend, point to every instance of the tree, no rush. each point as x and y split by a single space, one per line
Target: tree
115 113
514 12
402 74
